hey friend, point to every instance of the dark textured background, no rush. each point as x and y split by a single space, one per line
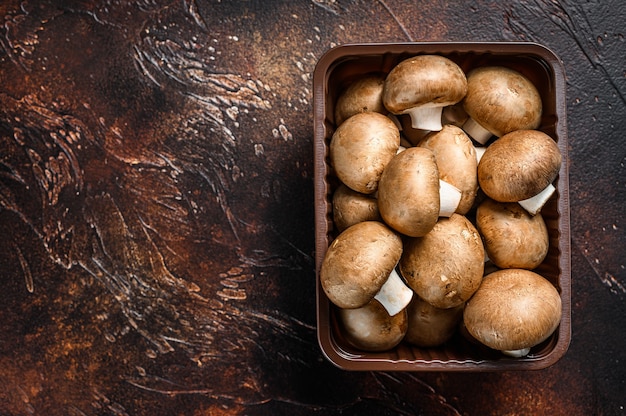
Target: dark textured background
156 204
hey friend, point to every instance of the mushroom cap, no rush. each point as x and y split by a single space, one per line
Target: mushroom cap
513 238
408 192
518 165
513 309
423 80
351 207
502 100
358 263
445 267
362 95
429 326
371 328
360 149
456 160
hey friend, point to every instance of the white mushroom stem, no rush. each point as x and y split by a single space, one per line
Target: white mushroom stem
449 198
426 117
394 295
534 204
516 353
476 131
480 151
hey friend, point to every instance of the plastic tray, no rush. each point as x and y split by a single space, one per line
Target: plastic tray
334 71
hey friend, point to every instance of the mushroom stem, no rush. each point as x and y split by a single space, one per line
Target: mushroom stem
427 117
480 151
394 295
534 204
476 131
449 198
516 353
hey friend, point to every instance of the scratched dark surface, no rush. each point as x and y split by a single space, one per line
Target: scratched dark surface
156 208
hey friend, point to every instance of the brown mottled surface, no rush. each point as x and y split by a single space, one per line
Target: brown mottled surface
156 203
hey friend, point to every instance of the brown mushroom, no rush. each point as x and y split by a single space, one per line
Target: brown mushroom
409 197
429 326
359 262
351 207
421 86
445 267
512 237
519 166
362 95
360 149
513 310
371 328
456 160
500 100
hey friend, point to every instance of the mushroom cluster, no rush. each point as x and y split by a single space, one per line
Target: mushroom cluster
441 177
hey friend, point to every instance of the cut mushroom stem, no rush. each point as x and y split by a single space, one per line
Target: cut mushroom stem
394 295
517 353
534 204
426 117
476 131
449 198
